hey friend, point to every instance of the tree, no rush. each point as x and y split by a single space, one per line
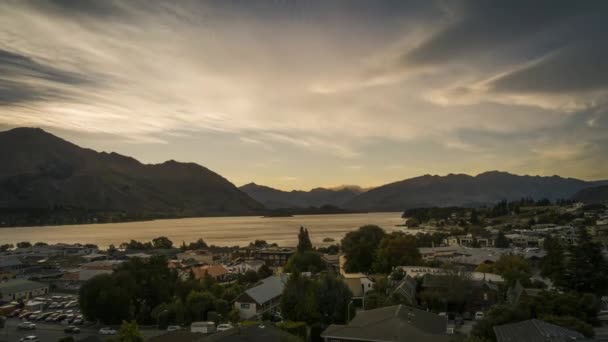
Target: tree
359 247
554 263
107 298
234 315
40 244
24 244
198 244
308 261
474 217
412 223
5 247
397 274
586 269
396 249
162 242
129 332
333 297
198 303
264 272
512 268
250 277
304 243
501 240
299 302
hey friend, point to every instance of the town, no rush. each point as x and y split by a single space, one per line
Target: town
515 271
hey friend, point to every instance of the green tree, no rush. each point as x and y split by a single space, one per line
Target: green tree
412 223
234 315
24 244
307 261
396 249
198 304
304 243
5 247
512 268
250 277
554 262
107 298
586 269
360 246
198 244
333 297
501 240
264 272
162 242
129 332
40 243
299 302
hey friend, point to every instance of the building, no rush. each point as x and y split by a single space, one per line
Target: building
91 269
247 265
274 256
519 293
358 283
534 330
481 294
406 288
199 256
265 297
217 272
390 324
16 289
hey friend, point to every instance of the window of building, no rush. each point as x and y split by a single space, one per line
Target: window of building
244 306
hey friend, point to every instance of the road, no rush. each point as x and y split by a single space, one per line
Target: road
49 332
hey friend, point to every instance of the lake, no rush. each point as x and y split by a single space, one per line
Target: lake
221 231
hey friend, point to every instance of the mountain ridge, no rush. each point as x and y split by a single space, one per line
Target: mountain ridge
41 170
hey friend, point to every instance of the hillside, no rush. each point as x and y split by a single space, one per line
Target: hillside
273 198
41 171
596 194
464 190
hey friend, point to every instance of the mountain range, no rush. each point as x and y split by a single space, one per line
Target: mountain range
42 172
274 198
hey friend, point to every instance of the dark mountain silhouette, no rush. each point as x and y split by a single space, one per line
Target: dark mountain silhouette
464 190
596 194
41 171
274 198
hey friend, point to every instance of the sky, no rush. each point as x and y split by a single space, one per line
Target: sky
301 94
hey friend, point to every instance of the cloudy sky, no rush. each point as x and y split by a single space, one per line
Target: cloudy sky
299 94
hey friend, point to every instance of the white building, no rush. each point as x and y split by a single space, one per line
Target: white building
264 297
16 289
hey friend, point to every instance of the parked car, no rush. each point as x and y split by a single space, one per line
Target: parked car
15 313
224 327
78 321
479 316
24 314
107 331
26 325
71 330
51 318
173 328
30 338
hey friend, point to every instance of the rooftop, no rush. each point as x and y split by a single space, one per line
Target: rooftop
19 285
534 330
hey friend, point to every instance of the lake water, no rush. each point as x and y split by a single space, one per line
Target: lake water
221 231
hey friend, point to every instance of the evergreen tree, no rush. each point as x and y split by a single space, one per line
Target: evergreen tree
554 262
586 270
304 243
501 240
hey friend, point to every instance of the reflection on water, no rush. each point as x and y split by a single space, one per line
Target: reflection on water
221 231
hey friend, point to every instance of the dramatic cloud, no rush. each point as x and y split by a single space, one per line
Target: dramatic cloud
327 92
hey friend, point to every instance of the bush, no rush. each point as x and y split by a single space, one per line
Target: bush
294 328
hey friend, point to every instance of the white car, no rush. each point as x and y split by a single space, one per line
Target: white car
26 325
224 327
479 316
107 331
30 339
174 328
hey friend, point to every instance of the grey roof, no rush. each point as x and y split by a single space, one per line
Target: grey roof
249 334
19 285
392 324
270 288
9 261
534 330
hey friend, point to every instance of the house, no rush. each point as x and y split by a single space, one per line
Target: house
358 283
518 293
332 261
264 297
10 263
534 330
390 324
482 294
407 288
247 265
217 272
16 289
274 256
199 256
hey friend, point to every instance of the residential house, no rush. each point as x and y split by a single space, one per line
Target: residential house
247 265
333 262
16 289
482 294
274 256
217 272
407 289
264 297
518 293
534 330
397 323
358 283
203 257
